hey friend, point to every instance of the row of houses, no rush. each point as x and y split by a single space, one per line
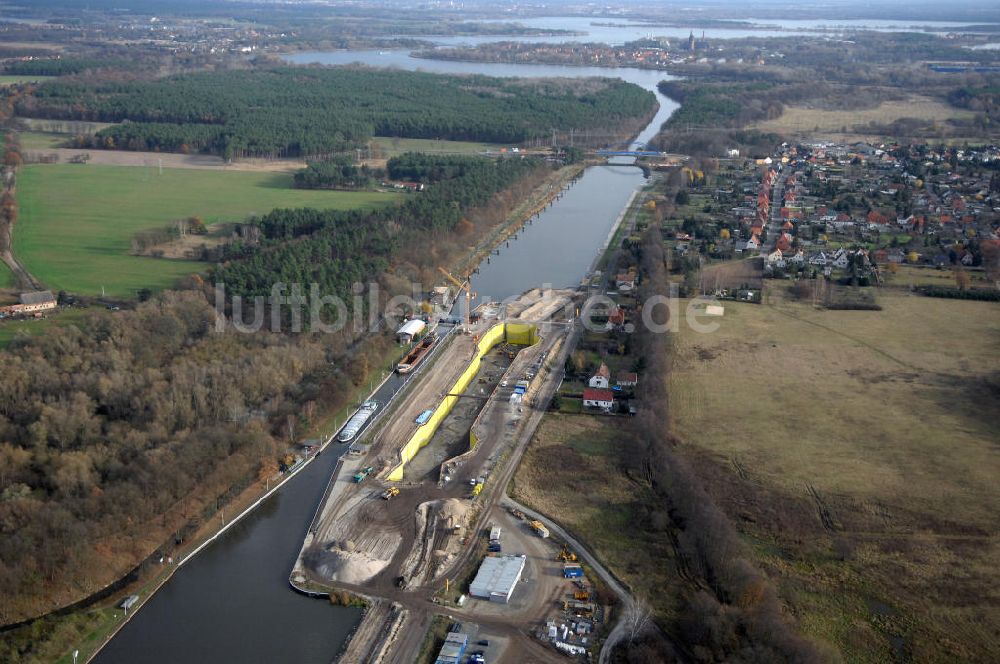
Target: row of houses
598 393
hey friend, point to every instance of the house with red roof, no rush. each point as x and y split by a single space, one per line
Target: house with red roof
594 398
628 379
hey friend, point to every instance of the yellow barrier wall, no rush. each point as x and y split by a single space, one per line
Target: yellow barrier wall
521 334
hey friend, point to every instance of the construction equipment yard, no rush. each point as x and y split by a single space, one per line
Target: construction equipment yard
410 545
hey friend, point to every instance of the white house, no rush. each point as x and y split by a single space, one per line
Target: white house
840 259
603 399
776 258
600 379
625 282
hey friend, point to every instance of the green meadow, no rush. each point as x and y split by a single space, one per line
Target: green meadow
77 221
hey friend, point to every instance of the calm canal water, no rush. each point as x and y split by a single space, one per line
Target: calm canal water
232 603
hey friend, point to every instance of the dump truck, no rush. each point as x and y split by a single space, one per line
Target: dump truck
363 473
581 595
390 493
516 513
540 529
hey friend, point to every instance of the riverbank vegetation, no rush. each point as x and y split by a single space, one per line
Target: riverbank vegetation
294 112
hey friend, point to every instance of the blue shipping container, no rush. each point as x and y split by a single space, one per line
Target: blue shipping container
572 572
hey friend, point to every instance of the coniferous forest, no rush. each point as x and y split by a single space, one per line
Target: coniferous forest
295 112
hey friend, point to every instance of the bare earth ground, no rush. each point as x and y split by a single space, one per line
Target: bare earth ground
857 451
571 472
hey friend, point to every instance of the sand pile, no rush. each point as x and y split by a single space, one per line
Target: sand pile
343 562
453 512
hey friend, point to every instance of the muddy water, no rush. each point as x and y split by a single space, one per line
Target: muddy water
232 602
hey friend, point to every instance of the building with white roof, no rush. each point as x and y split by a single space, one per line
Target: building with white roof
497 578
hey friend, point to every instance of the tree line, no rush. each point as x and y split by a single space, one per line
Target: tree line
63 66
335 248
297 111
119 429
732 611
336 172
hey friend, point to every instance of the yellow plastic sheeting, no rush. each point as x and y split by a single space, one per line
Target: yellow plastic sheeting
522 334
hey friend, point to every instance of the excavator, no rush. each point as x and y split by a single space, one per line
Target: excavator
566 556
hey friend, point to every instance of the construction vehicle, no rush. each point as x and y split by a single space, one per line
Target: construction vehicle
581 595
390 493
363 473
477 490
462 286
540 529
584 609
517 514
566 556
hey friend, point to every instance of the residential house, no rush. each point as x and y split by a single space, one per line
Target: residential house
627 380
600 379
616 318
625 282
776 258
819 259
594 398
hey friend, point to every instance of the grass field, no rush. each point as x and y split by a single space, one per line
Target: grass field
6 276
12 80
392 146
857 451
36 140
76 222
908 275
67 127
35 327
570 472
802 120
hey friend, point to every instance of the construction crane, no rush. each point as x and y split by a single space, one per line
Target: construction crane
462 286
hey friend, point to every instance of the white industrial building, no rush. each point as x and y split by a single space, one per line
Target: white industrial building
410 329
497 578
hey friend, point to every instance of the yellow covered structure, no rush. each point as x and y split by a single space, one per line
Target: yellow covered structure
520 334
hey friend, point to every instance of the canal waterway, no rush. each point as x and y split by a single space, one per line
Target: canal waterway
232 601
